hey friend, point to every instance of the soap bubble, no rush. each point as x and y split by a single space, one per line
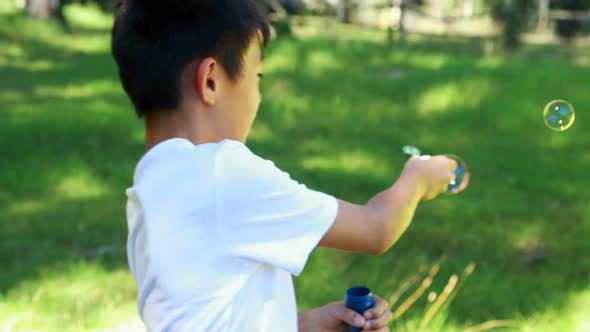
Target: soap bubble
462 176
559 115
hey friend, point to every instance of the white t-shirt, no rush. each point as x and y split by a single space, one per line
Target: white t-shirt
215 233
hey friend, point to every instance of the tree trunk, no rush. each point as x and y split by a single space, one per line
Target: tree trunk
402 14
48 9
543 15
468 8
41 8
61 18
343 11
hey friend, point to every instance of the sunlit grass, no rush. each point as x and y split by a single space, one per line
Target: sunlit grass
88 17
448 97
70 297
25 207
553 320
353 161
8 7
337 107
80 186
76 91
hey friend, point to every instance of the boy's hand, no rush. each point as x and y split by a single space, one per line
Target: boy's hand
433 174
335 317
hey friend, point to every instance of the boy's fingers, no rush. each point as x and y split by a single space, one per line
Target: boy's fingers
379 322
348 316
451 163
378 308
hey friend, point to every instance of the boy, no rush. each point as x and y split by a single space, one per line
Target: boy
215 232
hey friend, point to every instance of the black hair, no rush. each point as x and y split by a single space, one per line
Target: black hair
154 40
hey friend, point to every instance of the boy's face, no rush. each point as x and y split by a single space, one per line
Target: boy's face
241 97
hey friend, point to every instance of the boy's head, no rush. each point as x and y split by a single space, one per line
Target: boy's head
176 55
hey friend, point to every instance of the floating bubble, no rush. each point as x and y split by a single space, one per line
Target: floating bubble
559 115
462 176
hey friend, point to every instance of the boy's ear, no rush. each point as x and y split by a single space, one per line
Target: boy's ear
207 80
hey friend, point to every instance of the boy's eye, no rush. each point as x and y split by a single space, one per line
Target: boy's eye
260 75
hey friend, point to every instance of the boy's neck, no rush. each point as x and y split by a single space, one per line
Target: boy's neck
164 125
197 127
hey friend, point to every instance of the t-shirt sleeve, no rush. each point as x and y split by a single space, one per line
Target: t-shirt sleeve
265 215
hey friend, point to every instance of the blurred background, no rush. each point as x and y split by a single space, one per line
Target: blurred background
347 84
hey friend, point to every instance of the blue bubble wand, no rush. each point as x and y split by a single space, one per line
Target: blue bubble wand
359 299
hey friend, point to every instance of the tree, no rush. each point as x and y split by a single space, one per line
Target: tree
47 9
543 15
40 8
512 15
404 5
344 10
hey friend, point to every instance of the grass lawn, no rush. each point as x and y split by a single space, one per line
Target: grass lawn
336 110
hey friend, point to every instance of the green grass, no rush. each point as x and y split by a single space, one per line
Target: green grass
336 110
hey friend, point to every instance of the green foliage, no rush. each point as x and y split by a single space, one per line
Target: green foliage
335 114
283 27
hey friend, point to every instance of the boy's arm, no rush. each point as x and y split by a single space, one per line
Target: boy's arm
374 227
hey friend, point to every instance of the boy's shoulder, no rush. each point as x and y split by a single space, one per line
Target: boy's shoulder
179 155
181 146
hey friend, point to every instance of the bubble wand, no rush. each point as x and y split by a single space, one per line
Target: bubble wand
462 173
